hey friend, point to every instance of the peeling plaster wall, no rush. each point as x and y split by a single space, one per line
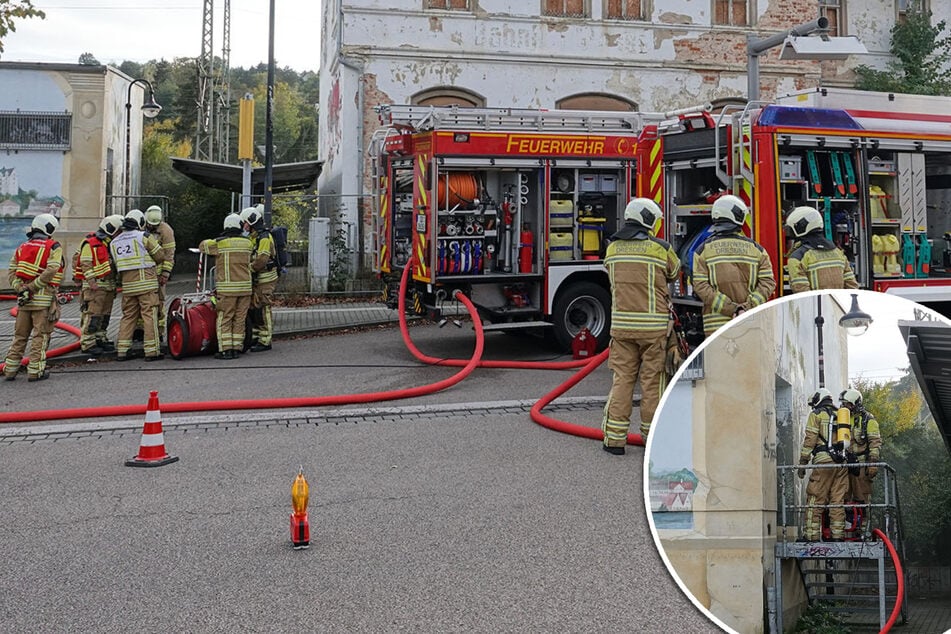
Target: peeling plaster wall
726 558
504 50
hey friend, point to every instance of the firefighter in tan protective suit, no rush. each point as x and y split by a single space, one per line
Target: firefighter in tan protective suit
731 273
137 256
866 446
165 235
827 486
93 267
265 273
640 267
36 270
816 262
232 252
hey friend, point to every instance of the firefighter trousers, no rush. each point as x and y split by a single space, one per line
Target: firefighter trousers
826 486
40 323
263 329
632 359
860 486
96 311
142 307
229 324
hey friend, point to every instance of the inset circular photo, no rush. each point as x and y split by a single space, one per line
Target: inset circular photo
798 468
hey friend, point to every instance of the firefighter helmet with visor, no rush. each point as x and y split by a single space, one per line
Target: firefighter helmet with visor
852 397
137 217
729 208
645 212
232 221
153 216
804 220
45 223
110 225
821 395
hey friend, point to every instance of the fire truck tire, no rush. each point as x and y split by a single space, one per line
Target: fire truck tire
582 304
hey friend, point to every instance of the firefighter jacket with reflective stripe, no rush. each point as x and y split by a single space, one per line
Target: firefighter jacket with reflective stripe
136 256
232 253
730 271
39 262
166 239
264 264
818 430
816 264
866 437
640 269
94 262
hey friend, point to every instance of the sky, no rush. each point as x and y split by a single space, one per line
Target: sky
141 30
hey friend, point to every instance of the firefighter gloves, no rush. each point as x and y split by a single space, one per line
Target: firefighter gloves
24 297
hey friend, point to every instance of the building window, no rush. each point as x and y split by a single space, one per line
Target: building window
565 8
832 9
447 96
626 10
596 101
448 5
731 12
902 7
21 130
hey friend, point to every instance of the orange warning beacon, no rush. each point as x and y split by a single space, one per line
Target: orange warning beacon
300 526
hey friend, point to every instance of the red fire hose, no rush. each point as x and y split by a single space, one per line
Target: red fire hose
899 576
545 421
55 352
306 401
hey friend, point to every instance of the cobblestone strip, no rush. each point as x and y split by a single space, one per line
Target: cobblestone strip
285 420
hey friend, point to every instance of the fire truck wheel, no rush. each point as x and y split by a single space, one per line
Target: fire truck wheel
581 305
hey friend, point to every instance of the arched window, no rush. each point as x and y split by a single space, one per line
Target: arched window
735 104
447 96
596 101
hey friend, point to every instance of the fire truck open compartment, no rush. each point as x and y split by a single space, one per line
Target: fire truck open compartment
880 177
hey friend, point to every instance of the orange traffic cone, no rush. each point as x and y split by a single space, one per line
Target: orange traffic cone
152 447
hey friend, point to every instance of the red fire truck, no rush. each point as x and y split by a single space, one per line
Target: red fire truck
876 165
511 206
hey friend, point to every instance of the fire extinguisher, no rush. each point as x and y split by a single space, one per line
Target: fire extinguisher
526 244
583 345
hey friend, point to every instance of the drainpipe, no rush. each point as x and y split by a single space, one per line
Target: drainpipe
358 66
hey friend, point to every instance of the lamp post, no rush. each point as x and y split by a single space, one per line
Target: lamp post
150 109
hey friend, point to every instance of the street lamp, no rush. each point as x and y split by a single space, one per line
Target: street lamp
797 46
150 109
855 322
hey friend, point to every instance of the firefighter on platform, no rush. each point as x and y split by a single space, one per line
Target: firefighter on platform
94 268
731 273
137 256
36 270
640 267
828 485
264 266
232 252
816 262
866 446
165 235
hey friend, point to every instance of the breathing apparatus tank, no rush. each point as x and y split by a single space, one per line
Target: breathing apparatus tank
843 428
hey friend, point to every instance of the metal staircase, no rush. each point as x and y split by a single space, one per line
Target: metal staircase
854 578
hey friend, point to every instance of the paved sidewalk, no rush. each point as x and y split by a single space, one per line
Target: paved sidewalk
287 321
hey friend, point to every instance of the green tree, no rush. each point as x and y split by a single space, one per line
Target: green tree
11 10
920 55
912 445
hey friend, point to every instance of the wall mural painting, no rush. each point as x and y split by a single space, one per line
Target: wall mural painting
30 184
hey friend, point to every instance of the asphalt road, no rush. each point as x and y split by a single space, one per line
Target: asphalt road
443 513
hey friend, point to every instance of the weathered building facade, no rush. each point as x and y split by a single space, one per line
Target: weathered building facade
642 55
63 143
